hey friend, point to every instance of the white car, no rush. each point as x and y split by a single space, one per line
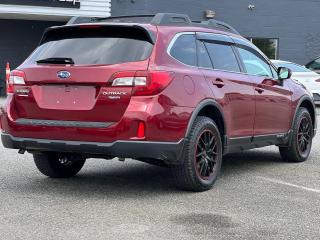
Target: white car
303 75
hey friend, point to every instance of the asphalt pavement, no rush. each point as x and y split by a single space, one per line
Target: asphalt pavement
258 196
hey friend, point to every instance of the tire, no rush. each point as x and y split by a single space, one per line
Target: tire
197 173
55 165
299 149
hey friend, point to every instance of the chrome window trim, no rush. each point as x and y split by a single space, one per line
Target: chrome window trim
243 73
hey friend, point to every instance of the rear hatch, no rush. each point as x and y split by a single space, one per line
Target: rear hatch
67 78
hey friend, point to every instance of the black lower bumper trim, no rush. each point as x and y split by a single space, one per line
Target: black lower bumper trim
55 123
169 152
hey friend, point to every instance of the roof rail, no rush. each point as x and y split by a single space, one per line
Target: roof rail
159 19
126 19
171 19
220 25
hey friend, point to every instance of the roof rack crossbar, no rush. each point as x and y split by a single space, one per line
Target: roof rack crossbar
159 19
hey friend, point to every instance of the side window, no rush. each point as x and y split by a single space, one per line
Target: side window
184 49
222 57
254 65
203 57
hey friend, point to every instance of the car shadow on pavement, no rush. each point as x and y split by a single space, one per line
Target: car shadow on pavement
243 162
127 180
139 180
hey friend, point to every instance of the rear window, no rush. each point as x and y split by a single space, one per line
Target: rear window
95 46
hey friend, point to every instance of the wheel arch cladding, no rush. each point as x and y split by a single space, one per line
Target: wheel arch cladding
307 103
211 109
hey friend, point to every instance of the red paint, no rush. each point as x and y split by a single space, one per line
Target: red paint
159 111
273 106
236 96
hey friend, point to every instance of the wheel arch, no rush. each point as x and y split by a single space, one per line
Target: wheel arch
307 102
212 109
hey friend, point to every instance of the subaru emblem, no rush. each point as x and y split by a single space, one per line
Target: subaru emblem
63 74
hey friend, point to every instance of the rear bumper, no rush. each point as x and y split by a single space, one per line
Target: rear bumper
168 152
163 123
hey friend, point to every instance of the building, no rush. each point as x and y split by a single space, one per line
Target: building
291 26
286 29
22 23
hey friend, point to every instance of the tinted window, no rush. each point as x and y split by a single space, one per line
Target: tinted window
254 64
94 46
96 50
222 57
203 56
184 50
293 67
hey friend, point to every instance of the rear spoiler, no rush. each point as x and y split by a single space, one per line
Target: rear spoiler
159 19
67 31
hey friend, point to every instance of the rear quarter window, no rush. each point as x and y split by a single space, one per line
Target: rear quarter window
184 49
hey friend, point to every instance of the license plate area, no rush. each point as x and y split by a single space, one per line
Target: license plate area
65 97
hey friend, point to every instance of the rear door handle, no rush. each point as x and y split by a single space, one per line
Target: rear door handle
218 82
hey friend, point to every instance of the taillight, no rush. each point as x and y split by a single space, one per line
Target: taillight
16 78
144 83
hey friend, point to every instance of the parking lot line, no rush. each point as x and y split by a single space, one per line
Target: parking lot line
289 184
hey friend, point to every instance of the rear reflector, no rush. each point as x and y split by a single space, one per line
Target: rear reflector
144 83
141 130
16 78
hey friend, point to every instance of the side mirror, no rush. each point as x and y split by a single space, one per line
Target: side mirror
284 73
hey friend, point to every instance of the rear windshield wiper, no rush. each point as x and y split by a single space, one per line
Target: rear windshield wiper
56 60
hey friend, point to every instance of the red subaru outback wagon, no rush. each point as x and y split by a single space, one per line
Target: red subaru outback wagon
162 90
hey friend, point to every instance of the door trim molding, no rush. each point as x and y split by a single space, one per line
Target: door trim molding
249 142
